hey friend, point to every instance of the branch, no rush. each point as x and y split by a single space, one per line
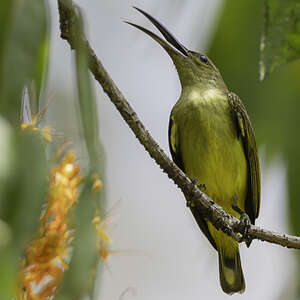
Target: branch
210 210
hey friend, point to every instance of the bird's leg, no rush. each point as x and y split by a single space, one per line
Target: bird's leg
245 222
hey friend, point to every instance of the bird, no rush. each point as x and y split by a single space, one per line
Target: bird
212 140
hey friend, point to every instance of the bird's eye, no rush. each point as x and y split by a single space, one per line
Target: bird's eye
204 59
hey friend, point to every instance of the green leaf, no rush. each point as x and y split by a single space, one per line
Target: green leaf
5 23
41 64
87 102
23 170
27 187
23 182
280 42
80 277
8 274
21 52
8 258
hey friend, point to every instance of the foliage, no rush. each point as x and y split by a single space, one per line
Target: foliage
22 58
32 189
23 168
280 41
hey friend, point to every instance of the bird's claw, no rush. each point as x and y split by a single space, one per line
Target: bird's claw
244 225
202 186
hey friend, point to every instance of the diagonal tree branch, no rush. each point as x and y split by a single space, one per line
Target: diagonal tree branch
210 210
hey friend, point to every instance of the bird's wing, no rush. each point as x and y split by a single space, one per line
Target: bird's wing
174 146
246 133
174 143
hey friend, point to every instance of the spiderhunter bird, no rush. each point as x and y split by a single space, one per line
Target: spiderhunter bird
211 139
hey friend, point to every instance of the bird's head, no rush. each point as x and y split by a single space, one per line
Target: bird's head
193 68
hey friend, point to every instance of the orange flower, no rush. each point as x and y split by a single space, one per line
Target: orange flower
47 257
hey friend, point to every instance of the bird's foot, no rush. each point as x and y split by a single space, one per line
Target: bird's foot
244 225
202 186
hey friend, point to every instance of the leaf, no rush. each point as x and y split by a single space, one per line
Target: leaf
37 85
5 21
7 258
23 168
23 190
280 41
87 103
41 64
25 32
81 275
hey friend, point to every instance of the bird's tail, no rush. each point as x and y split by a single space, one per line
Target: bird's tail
231 273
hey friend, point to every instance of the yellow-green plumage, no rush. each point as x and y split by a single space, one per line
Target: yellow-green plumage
211 139
205 131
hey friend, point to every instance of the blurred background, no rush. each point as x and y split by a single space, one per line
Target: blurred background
158 252
162 254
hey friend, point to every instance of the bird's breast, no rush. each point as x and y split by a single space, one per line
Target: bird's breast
210 148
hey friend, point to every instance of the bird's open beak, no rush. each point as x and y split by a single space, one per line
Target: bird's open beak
173 43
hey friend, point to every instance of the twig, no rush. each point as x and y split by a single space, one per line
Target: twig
210 210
